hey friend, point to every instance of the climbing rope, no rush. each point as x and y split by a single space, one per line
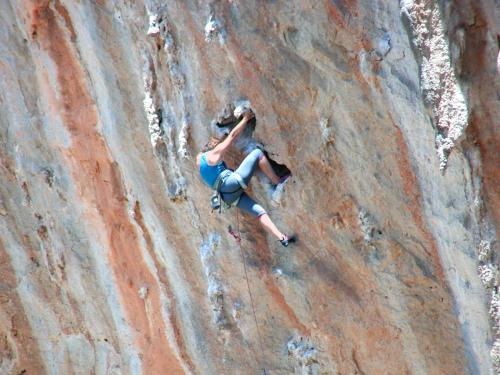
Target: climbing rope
237 237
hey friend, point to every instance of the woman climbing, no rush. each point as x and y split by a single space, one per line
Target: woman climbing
231 184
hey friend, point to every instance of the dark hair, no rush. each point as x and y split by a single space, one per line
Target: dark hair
230 123
212 143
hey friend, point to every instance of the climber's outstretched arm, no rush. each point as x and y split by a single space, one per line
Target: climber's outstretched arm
216 155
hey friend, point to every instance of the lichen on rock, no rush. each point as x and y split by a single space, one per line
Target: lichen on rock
440 86
305 354
214 29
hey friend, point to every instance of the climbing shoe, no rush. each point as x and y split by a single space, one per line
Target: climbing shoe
288 240
281 182
284 178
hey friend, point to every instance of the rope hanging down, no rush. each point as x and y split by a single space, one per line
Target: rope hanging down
237 237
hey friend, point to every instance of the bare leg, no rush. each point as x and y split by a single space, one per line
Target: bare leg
266 222
268 170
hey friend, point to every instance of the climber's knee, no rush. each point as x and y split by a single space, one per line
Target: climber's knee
248 205
261 153
256 154
261 215
258 211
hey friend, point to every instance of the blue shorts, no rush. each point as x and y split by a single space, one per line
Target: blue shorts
231 190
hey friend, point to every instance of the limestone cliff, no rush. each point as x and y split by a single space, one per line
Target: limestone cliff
385 112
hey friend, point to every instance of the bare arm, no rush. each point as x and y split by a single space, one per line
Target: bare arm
216 155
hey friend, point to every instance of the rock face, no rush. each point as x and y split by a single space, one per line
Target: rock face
386 113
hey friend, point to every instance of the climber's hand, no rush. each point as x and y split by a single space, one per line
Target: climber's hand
216 155
248 115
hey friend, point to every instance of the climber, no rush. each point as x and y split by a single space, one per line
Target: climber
230 184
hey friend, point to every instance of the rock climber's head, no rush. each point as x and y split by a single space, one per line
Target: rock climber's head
214 141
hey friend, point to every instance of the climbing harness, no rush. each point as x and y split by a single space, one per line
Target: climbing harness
216 201
237 237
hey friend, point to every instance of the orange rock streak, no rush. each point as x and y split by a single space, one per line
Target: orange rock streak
100 186
411 189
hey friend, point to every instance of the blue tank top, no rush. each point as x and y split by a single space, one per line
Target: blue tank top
209 173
